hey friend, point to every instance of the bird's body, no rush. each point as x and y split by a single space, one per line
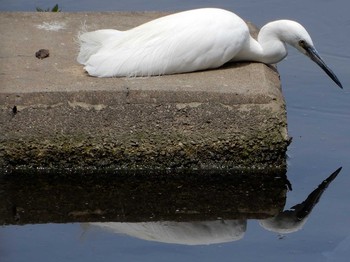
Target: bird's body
189 41
178 43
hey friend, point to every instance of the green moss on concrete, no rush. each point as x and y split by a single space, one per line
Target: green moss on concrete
138 136
141 150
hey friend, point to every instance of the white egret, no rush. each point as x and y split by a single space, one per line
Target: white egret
190 41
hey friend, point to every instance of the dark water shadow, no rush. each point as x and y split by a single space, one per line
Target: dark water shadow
61 197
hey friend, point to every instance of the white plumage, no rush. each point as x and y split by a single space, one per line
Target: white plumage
190 41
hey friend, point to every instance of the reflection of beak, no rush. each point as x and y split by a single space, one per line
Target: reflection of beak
313 54
303 209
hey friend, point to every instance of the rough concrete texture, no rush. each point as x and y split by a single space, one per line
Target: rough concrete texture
54 115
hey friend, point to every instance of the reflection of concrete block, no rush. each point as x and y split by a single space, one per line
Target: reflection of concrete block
58 197
229 117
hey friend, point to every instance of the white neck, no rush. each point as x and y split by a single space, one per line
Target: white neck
270 48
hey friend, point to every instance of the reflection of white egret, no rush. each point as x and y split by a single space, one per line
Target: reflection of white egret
217 231
293 220
190 41
186 233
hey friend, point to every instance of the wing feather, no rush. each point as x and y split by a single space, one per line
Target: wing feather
183 42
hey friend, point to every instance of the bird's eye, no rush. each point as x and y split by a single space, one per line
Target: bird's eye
302 42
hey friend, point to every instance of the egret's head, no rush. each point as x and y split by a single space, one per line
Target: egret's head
297 36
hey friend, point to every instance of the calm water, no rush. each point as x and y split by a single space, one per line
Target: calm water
319 121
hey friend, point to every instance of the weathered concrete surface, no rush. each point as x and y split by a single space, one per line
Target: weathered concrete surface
230 117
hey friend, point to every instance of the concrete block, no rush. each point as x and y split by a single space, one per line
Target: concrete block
53 115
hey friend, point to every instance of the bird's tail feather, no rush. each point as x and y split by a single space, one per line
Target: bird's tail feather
91 42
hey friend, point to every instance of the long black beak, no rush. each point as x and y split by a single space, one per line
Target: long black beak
313 54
